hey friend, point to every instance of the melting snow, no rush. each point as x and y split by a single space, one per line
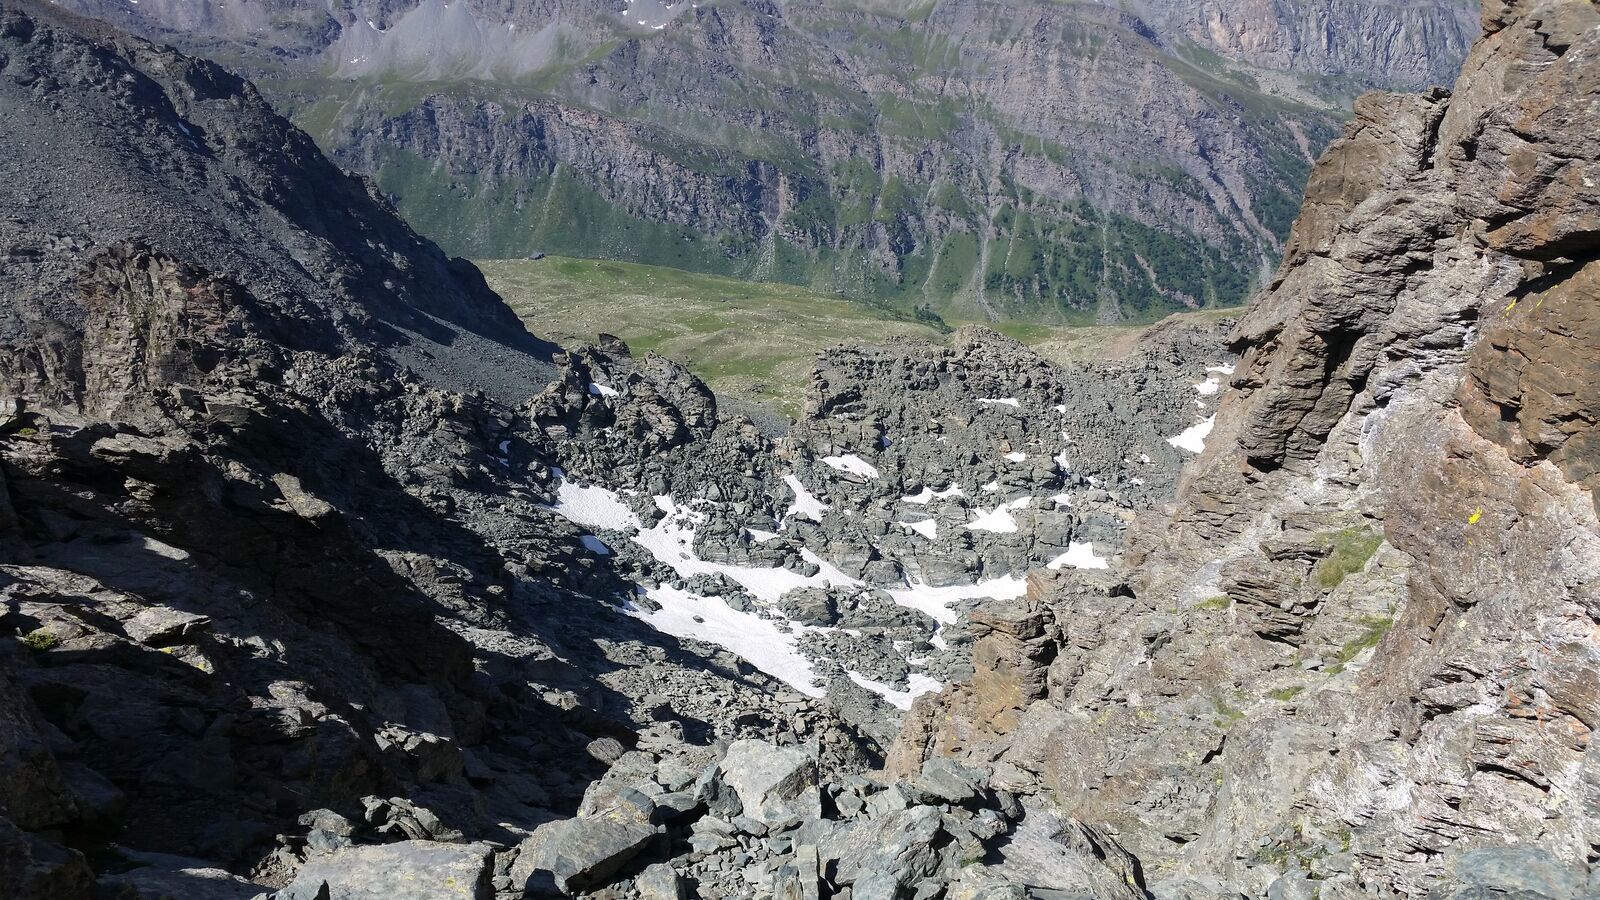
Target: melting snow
593 507
853 464
917 684
928 493
805 503
928 528
1193 438
1224 368
1208 387
936 601
672 542
1008 401
999 519
1079 555
752 637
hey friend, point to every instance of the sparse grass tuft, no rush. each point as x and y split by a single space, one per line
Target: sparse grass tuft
1376 628
1284 695
1351 548
1215 604
41 641
1227 713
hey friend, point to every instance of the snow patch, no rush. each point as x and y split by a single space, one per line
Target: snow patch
601 390
595 545
1079 555
928 493
936 601
917 684
593 506
1193 438
672 542
754 638
805 503
761 537
928 528
1016 456
853 464
1007 401
999 519
1208 387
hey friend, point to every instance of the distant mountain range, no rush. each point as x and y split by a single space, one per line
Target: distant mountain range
1054 161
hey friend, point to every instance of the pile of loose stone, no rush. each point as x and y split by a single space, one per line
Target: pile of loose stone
669 820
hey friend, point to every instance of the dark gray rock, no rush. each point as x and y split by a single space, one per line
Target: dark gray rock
408 870
574 854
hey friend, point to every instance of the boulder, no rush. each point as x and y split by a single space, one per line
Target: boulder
659 882
163 877
573 854
32 868
950 781
159 625
777 787
408 870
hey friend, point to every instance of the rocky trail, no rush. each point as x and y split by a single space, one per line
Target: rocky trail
323 579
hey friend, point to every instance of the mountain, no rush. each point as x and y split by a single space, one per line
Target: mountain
322 579
986 158
308 551
1357 657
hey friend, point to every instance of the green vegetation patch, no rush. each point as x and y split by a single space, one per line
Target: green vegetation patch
1350 550
1374 628
751 341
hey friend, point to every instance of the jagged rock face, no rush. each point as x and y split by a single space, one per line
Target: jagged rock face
267 570
991 159
1359 649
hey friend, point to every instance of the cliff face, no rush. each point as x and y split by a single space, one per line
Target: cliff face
1359 648
1039 160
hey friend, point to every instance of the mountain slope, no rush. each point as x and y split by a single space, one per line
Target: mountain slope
1061 162
1357 657
293 570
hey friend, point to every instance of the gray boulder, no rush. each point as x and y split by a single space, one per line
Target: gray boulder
777 787
950 781
408 870
574 854
659 882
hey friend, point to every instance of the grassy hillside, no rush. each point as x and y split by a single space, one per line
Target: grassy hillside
752 342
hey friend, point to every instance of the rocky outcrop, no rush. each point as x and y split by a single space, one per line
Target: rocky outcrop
280 578
1348 659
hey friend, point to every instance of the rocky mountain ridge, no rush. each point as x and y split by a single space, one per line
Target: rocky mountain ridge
1057 162
1351 661
324 580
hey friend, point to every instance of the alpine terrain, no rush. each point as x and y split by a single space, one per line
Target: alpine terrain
323 578
987 159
